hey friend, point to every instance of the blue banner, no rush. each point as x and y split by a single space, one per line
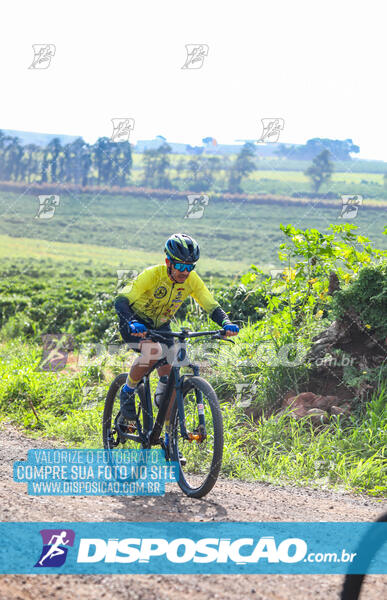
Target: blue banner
121 547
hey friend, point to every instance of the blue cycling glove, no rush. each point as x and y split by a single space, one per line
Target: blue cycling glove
231 327
136 327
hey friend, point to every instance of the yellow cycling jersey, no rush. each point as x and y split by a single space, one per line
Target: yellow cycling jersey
153 296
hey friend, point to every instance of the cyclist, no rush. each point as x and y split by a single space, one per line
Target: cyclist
150 301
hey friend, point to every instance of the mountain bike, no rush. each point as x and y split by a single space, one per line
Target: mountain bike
193 435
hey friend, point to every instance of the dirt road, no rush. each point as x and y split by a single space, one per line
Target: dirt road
230 500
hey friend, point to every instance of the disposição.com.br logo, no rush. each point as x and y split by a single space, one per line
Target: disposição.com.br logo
55 547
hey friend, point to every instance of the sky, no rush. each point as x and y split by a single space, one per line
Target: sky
318 65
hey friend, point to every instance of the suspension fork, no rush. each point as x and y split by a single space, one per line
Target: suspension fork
179 382
148 400
179 379
180 405
200 405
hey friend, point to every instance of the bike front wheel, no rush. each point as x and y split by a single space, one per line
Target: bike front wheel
199 460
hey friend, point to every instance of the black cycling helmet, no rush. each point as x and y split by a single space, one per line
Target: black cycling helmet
182 248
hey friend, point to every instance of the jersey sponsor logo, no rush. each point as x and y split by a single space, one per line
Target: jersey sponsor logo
177 300
160 292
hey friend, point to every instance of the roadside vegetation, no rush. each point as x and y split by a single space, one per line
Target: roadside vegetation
281 315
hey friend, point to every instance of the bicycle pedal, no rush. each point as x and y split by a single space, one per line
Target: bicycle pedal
124 427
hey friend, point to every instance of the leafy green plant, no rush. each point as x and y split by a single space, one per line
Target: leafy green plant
242 301
367 295
279 319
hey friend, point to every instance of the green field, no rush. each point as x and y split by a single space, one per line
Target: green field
133 230
365 167
60 276
29 251
369 185
276 176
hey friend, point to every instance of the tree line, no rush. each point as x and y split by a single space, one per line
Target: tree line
102 163
109 163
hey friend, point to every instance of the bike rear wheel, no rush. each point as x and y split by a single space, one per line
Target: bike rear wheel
203 457
110 434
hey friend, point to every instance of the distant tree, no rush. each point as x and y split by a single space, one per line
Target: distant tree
202 170
123 162
340 149
73 163
12 155
44 165
29 164
62 166
79 149
156 163
193 168
66 173
162 165
101 156
55 148
149 160
214 163
194 149
3 141
242 167
127 160
115 171
180 166
320 170
86 163
44 168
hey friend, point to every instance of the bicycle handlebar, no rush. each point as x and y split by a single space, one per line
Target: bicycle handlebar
185 333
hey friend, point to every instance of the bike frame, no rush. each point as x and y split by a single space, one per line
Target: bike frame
175 381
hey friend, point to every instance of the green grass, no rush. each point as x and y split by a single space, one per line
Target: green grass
277 182
282 164
31 252
71 288
369 185
132 230
347 454
52 279
299 177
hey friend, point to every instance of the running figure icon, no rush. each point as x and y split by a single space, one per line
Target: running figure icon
54 551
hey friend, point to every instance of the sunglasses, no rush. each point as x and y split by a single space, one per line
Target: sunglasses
183 266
